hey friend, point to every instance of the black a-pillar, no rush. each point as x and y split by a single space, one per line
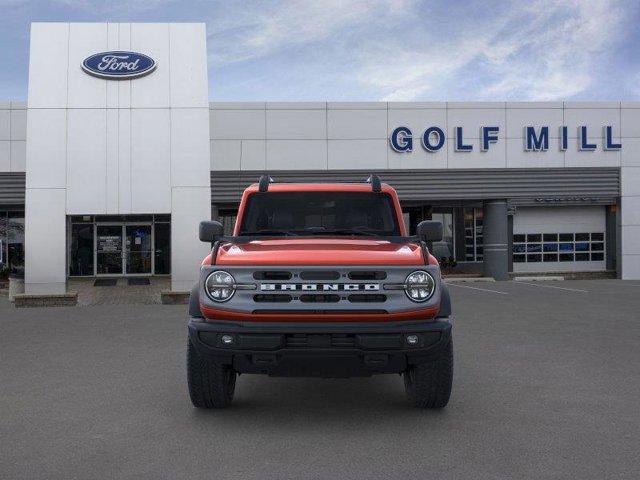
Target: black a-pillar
495 240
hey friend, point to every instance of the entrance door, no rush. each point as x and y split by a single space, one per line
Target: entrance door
109 250
138 249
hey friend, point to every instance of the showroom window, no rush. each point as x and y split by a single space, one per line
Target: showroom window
473 238
11 242
558 247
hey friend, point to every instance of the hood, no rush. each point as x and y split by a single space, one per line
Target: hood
320 251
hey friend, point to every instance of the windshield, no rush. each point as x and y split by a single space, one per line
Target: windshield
319 213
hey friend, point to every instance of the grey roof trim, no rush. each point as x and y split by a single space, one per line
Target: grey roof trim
526 184
12 189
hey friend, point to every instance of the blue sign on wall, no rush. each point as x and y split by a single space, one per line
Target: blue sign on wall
118 65
535 139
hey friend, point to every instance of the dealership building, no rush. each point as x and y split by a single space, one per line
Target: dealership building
117 155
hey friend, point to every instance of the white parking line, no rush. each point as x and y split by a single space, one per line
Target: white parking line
552 286
476 288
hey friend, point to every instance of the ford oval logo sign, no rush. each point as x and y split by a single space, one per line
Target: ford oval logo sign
118 65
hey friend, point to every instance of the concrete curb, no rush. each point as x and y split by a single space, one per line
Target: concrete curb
23 300
538 278
469 279
174 298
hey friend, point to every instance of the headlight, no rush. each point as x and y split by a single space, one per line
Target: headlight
220 286
419 286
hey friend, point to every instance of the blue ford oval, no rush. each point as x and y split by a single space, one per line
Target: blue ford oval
118 65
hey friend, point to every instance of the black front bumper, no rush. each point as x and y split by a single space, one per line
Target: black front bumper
320 349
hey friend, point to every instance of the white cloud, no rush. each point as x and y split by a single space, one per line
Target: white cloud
260 29
546 51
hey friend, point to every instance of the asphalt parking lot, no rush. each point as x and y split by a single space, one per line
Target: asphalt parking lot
547 386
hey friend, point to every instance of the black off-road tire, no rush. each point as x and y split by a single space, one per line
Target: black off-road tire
428 385
211 384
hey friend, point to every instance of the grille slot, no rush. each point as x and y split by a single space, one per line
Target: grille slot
319 275
367 275
272 275
319 298
272 298
367 298
302 340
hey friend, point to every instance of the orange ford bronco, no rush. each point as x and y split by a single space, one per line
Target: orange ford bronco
320 280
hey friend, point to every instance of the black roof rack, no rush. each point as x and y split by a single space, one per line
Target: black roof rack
263 183
374 180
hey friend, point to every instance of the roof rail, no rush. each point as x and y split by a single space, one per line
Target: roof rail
374 180
263 183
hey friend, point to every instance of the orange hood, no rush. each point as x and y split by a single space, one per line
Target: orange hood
320 251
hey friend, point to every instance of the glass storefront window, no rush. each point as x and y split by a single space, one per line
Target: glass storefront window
163 248
132 245
473 238
445 248
81 251
15 242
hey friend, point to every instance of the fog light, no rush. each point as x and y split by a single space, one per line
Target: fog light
226 339
412 339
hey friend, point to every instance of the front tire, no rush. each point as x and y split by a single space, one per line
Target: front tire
428 385
211 384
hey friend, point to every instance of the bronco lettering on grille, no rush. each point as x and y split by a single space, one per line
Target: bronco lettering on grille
322 287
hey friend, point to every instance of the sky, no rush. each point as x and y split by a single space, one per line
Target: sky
377 50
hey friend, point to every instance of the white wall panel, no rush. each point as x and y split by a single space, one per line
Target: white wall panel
190 205
5 156
150 161
47 148
112 162
630 181
418 120
5 124
48 63
152 91
356 124
592 118
86 161
630 120
188 53
18 156
45 241
124 161
225 154
124 86
237 124
190 147
296 124
113 43
630 211
86 91
598 158
471 119
418 158
631 239
518 118
254 155
354 154
296 154
18 124
630 153
495 157
517 157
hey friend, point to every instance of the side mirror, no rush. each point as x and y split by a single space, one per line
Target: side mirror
210 231
429 231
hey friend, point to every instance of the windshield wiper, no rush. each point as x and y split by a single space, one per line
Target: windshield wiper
348 231
284 233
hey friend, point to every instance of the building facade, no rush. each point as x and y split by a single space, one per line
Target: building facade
105 176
